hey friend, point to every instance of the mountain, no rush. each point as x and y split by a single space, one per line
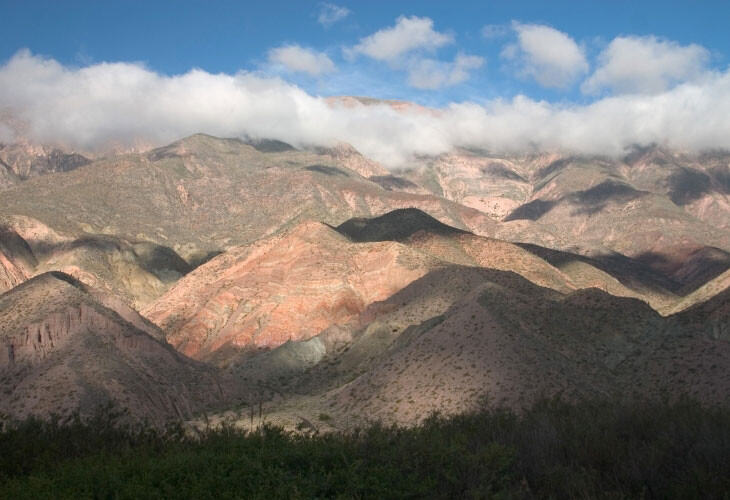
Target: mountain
202 195
66 347
294 285
700 184
613 273
136 272
7 176
26 160
289 286
653 205
562 271
397 225
462 335
493 184
515 345
324 283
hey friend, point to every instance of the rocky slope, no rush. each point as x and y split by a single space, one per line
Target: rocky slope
460 336
7 176
202 195
295 285
65 347
135 272
25 159
562 271
290 286
319 277
17 262
652 205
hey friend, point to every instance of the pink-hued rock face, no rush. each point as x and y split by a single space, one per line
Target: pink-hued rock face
291 286
65 347
349 157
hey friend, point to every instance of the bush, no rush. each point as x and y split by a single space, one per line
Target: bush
552 450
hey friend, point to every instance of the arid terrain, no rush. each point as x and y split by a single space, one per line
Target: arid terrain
365 250
214 274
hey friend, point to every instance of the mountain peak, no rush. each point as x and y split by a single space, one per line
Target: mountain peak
396 225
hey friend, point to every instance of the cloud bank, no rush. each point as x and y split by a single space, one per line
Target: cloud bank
123 103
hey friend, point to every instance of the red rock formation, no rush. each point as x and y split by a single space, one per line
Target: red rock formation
290 286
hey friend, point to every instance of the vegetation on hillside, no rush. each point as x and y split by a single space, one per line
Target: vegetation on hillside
555 449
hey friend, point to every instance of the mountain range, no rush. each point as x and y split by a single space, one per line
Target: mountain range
211 274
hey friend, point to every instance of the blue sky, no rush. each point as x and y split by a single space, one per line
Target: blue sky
217 36
594 77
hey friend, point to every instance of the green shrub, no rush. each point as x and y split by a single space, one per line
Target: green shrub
592 449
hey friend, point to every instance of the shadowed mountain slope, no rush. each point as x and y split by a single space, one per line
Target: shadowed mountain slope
17 262
700 267
461 334
397 225
135 272
613 273
704 293
561 271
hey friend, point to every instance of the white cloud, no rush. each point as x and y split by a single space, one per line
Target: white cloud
428 73
122 103
404 46
302 60
645 65
408 34
495 30
329 14
549 56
